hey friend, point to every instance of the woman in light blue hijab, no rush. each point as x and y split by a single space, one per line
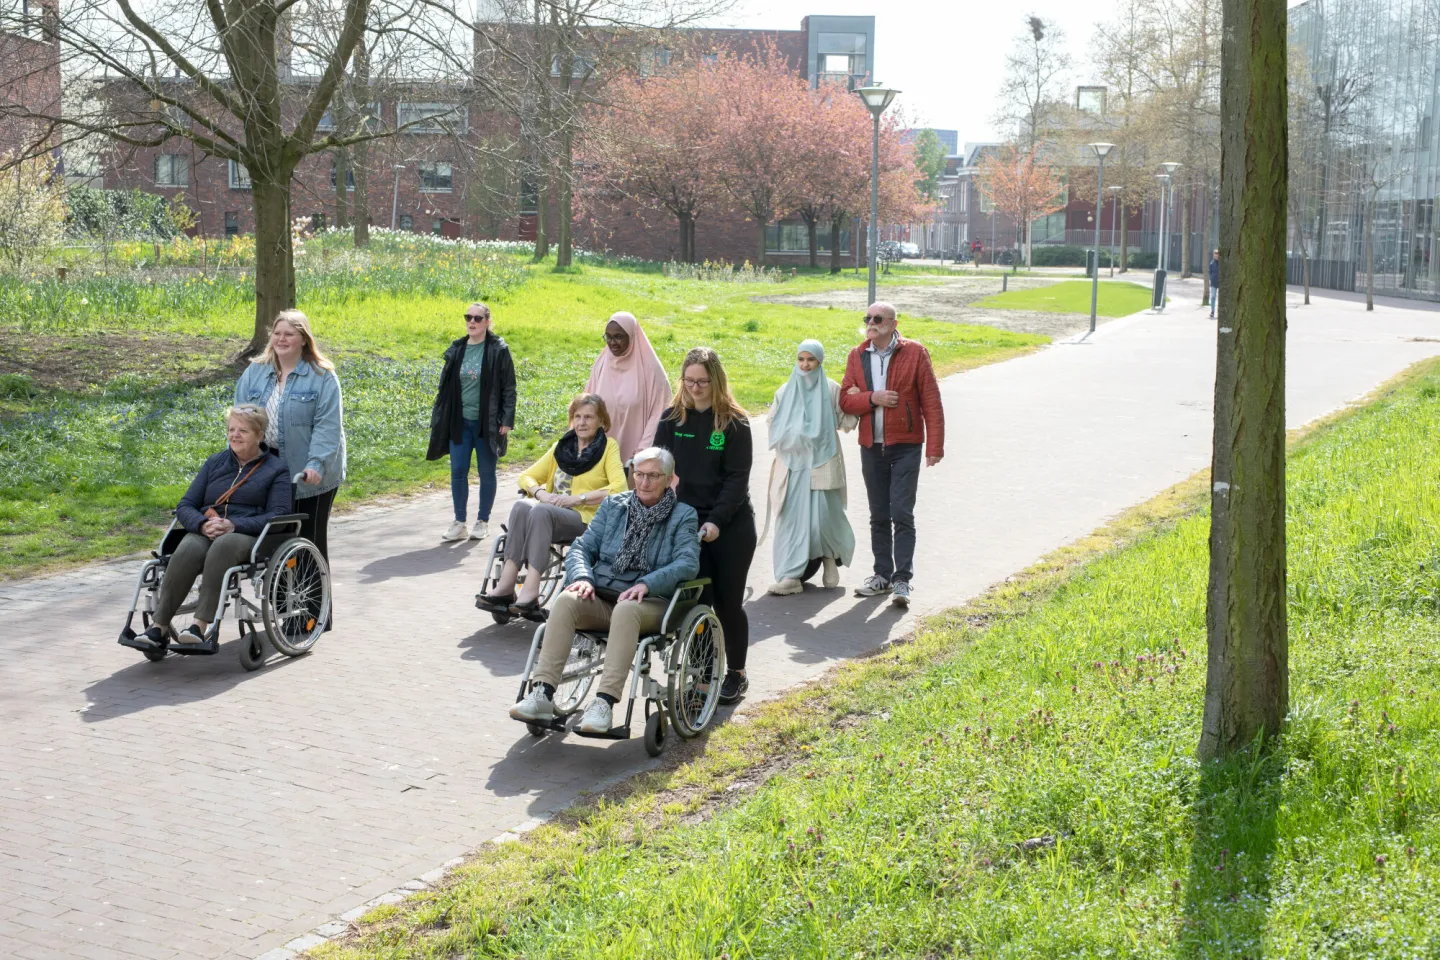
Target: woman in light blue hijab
807 478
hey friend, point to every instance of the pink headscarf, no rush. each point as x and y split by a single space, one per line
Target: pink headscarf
634 387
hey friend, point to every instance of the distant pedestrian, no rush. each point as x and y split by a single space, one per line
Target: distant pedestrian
890 385
474 411
807 476
708 432
1214 282
632 381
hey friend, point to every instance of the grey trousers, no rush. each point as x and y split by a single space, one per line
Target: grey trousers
626 620
197 553
533 527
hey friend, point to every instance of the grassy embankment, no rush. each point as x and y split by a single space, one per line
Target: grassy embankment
1115 299
1019 780
127 373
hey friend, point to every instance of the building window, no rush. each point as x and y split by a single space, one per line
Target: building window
841 56
407 222
1090 100
581 67
529 198
172 170
349 177
436 178
432 118
372 119
437 226
239 176
793 236
232 223
654 59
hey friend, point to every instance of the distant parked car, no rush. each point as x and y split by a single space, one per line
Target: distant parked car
909 249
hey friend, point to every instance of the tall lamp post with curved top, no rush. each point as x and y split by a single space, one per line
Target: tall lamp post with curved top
876 99
1102 150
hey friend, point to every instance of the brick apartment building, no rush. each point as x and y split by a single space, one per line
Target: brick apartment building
29 72
443 178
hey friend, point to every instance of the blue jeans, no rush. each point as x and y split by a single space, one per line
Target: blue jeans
471 440
892 477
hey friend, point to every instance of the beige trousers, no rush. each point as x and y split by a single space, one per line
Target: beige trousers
626 621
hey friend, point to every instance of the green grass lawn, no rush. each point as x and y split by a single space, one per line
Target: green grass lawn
1020 781
92 469
1116 299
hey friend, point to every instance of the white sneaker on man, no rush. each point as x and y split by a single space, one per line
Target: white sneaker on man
535 707
873 586
900 591
831 577
456 531
785 587
598 717
480 530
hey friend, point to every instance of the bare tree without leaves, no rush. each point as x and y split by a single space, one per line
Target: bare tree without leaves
1247 681
1034 85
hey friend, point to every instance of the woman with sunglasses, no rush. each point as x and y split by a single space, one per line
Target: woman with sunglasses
474 410
632 381
708 433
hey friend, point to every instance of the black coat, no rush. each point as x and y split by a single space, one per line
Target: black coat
259 500
497 399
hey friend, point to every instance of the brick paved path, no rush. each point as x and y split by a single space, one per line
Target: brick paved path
189 809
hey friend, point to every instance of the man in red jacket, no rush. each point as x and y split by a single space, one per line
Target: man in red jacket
890 385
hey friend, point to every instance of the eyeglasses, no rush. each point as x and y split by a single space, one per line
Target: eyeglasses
694 383
875 318
617 337
471 318
648 477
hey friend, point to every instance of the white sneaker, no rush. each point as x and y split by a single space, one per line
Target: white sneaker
785 587
535 706
456 531
597 718
873 587
831 577
901 593
480 530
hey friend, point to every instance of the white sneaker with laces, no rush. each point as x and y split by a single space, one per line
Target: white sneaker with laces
597 718
456 531
480 530
901 593
873 586
535 706
785 587
831 577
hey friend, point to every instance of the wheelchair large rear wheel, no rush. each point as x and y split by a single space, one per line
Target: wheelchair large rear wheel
574 687
295 597
696 668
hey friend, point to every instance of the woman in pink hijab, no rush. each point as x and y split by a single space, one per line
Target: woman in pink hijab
633 383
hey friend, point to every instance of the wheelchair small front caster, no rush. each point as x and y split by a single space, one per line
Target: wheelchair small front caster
655 734
536 730
252 650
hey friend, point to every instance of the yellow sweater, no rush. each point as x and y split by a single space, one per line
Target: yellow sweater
607 475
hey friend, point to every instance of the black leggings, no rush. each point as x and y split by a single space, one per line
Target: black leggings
726 561
316 527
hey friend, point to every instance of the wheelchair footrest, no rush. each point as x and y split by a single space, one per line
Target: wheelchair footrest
129 638
614 733
557 724
208 648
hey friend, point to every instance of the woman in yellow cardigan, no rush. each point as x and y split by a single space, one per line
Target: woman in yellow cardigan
563 489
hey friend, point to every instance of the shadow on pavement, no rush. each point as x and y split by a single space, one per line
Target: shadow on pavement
173 681
418 563
859 628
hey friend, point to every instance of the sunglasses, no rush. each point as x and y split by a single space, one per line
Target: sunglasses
875 318
471 318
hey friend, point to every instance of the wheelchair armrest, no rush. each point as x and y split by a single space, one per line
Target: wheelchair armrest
685 597
278 530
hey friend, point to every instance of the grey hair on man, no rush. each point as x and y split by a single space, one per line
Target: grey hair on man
664 457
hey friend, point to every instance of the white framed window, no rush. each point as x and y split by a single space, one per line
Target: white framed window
349 176
327 119
437 178
581 66
432 118
407 222
239 176
172 170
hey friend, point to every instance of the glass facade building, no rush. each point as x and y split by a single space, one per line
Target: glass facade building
1365 145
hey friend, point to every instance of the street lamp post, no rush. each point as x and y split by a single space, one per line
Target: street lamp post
1114 212
1101 151
395 196
1169 181
876 99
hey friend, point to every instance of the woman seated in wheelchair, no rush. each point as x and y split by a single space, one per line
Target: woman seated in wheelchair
236 492
619 576
562 491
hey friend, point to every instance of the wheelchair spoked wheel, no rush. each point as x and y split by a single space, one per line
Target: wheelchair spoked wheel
252 647
570 694
696 669
295 597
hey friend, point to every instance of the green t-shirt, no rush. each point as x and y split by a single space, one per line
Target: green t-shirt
470 368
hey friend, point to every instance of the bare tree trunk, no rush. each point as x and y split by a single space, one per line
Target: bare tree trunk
342 188
1186 212
1370 253
542 209
759 241
274 259
835 224
564 241
1207 293
1247 673
362 149
811 220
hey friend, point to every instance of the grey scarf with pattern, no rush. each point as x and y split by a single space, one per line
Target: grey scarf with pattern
641 522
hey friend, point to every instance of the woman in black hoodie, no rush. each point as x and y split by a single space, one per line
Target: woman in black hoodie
474 410
708 433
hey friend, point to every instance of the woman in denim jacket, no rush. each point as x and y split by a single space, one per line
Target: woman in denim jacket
296 385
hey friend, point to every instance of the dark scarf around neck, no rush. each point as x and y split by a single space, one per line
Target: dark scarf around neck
642 523
575 461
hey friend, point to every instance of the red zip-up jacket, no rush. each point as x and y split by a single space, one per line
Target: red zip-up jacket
918 417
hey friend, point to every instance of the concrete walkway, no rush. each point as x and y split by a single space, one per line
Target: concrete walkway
188 809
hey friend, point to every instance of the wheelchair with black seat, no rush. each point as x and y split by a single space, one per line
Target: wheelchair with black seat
689 649
551 577
290 581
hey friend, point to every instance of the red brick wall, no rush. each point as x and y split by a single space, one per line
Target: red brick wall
30 79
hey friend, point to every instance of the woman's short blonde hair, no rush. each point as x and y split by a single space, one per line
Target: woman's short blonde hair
251 415
591 400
